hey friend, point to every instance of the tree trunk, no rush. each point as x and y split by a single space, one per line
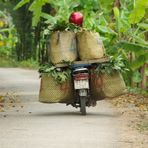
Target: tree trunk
131 58
22 19
117 4
144 77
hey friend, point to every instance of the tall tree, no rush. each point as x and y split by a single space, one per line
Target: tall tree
22 20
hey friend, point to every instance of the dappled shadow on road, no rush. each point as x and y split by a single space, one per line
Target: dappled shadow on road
60 114
27 106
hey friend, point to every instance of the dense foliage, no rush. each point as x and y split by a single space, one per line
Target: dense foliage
60 75
116 63
8 37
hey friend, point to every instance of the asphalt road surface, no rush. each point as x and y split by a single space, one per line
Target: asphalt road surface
31 124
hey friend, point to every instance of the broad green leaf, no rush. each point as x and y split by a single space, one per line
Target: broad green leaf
143 25
138 62
138 12
142 3
116 13
104 38
140 40
136 15
38 4
74 5
106 5
133 47
105 29
36 16
102 21
146 71
125 24
137 77
21 3
50 18
36 8
4 30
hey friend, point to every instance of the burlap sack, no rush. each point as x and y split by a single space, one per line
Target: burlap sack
62 47
52 92
89 45
96 87
106 85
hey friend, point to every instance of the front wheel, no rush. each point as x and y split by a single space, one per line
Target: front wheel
83 105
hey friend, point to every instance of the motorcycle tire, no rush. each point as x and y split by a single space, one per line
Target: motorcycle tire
83 105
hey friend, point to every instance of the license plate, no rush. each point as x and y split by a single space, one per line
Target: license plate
81 84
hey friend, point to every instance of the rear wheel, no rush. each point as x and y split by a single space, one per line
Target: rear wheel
83 105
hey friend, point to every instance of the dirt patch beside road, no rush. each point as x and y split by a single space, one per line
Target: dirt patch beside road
134 110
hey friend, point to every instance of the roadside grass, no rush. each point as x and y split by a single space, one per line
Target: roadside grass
143 126
136 91
11 63
134 107
8 62
29 64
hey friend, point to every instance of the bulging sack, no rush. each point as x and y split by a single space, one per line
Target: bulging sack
52 92
62 47
96 87
89 45
113 85
106 85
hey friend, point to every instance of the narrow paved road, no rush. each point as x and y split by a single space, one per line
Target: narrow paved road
31 124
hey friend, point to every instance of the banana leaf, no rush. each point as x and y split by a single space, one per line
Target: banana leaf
132 47
138 62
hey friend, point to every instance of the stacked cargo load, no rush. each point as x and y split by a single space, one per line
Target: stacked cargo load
89 45
107 80
107 85
62 47
72 45
56 85
53 92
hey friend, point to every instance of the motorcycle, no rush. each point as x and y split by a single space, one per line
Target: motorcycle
84 86
81 86
81 77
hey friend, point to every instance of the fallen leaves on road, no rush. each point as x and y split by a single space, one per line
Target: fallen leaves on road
130 100
134 107
143 126
1 103
134 115
8 101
